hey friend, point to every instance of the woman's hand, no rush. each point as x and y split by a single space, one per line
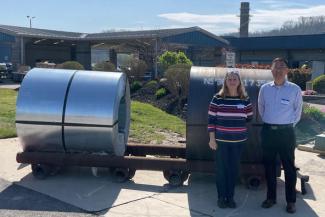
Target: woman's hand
213 144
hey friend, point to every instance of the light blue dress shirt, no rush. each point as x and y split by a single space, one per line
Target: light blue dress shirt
280 104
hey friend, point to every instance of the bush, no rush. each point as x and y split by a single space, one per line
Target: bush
178 78
160 93
169 58
151 83
104 66
70 65
135 69
299 77
314 113
136 85
319 84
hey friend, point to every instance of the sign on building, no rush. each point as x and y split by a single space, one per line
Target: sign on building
230 59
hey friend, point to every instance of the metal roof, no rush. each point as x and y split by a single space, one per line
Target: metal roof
39 33
316 41
54 34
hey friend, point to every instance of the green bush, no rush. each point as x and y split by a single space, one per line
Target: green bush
319 84
161 93
136 85
170 58
313 113
299 77
151 83
70 65
104 66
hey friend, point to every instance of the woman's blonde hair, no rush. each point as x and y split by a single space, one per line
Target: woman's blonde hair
240 89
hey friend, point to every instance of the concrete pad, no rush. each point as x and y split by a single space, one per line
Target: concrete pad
9 168
148 195
12 86
77 185
200 195
149 207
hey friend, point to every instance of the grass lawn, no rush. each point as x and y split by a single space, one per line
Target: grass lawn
7 113
146 120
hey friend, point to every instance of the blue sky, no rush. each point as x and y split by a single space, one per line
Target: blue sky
216 16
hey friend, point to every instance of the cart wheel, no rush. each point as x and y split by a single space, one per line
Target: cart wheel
123 174
40 171
131 173
253 182
184 176
175 177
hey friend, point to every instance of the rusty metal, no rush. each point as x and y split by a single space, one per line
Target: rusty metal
136 162
161 150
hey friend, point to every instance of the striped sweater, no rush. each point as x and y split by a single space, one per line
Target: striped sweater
228 117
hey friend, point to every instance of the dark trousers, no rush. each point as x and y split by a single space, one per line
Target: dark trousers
280 142
227 168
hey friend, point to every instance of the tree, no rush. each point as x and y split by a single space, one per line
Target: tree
171 58
178 79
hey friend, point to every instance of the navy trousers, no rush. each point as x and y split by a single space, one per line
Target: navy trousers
227 168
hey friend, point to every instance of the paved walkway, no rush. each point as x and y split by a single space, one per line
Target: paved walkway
148 193
9 84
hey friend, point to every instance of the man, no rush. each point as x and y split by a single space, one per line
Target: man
280 106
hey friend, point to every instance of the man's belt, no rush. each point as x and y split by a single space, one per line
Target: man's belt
277 126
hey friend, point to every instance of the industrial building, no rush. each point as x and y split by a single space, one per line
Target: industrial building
27 46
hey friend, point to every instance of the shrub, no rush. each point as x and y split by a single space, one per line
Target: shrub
319 84
70 65
104 66
299 77
151 83
136 85
178 77
135 69
160 93
314 113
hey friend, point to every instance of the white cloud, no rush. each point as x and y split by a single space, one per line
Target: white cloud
276 4
261 19
185 17
269 19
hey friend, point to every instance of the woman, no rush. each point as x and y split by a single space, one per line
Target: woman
229 111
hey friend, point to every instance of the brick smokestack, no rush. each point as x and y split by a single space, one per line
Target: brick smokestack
244 19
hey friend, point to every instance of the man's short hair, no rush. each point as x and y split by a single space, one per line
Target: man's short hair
280 59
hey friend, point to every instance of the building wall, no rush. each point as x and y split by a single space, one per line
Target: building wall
83 54
35 53
294 57
16 57
6 42
205 56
